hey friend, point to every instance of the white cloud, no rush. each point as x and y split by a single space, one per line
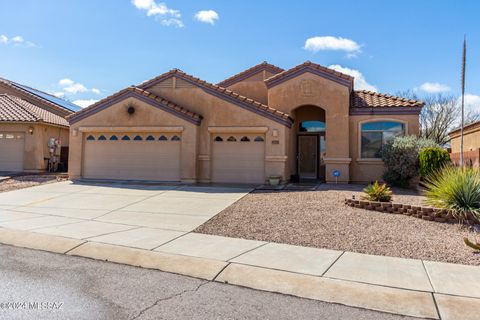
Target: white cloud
16 41
359 79
85 103
96 91
76 88
316 44
206 16
66 82
472 102
434 87
167 16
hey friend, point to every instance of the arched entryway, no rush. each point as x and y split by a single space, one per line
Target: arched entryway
309 146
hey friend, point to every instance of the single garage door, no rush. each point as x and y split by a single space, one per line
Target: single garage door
132 156
238 158
12 146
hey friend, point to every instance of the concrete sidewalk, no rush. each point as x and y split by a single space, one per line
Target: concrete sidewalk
131 226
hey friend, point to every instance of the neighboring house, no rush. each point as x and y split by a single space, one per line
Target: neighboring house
29 118
306 122
471 144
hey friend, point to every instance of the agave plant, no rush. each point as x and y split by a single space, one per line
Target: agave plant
377 192
456 189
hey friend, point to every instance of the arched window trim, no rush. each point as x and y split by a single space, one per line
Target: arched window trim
90 138
245 139
138 138
102 138
150 138
259 139
218 139
114 138
175 138
359 133
163 138
126 138
232 139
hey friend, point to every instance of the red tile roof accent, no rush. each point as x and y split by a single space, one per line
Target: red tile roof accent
308 65
13 86
164 102
370 99
14 109
250 72
223 93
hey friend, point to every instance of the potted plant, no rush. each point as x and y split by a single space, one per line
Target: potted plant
274 180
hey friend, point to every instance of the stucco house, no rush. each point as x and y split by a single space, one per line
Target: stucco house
471 144
306 122
29 118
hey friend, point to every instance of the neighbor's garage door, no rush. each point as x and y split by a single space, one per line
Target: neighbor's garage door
238 158
11 151
132 156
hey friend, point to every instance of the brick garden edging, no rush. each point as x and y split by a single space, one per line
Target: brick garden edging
425 213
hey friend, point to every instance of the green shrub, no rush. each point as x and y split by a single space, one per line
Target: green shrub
456 189
432 159
377 192
400 157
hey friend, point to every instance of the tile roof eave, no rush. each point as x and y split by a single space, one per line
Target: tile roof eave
250 72
225 94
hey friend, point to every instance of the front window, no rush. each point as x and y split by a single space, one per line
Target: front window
312 126
376 134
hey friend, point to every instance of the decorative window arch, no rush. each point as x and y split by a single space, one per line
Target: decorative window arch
232 139
218 139
138 138
374 134
102 138
259 139
245 139
114 138
150 138
90 138
175 138
163 138
126 138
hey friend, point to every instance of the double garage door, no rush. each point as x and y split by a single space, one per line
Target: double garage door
132 156
156 156
12 146
238 158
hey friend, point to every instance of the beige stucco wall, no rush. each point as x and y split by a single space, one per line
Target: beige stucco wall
368 170
217 112
471 140
253 87
146 118
334 99
36 144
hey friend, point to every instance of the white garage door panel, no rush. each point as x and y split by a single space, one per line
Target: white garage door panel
132 160
11 151
238 161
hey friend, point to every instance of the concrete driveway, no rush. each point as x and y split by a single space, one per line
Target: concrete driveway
143 216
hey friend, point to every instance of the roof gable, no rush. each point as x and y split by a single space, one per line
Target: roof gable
264 66
224 94
15 109
142 95
314 68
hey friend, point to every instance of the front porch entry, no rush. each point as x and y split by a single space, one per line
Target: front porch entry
310 141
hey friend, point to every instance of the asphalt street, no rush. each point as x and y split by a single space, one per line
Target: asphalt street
42 285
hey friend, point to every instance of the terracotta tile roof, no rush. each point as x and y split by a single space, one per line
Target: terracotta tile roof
170 106
370 99
310 66
225 94
42 97
250 72
14 109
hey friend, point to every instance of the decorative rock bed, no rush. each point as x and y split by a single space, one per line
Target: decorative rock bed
426 213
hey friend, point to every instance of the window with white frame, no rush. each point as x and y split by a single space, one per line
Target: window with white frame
374 135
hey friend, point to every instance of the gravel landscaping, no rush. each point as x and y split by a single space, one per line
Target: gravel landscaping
26 181
320 219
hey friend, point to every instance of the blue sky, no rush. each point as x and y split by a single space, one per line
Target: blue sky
87 49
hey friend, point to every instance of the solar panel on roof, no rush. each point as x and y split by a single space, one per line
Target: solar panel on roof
65 104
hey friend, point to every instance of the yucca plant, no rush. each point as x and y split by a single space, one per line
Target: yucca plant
456 189
377 192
